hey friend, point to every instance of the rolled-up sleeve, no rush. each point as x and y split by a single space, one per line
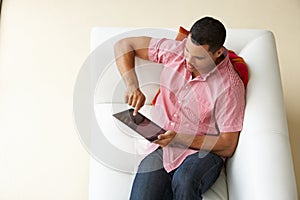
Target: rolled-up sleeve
164 50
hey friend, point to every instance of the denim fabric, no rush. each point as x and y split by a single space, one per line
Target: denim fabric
188 182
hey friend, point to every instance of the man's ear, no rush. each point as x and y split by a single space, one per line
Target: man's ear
219 52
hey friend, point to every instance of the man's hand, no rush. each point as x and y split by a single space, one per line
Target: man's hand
165 139
135 98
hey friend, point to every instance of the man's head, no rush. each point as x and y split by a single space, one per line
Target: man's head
204 46
208 31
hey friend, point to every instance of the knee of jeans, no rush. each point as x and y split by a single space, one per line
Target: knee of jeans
182 182
150 163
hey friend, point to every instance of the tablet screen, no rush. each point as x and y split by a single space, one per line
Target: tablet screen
140 124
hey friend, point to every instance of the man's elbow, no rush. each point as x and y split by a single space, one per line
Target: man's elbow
120 46
230 144
229 151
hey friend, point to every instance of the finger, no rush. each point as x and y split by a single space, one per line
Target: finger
126 98
158 141
138 106
166 136
162 142
133 102
161 137
135 111
129 100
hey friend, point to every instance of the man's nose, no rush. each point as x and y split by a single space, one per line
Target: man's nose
189 59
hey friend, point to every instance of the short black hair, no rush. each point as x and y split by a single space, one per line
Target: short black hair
208 31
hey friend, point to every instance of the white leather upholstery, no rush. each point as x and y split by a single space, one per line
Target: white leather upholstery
261 167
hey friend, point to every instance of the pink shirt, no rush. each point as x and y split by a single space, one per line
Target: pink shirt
208 104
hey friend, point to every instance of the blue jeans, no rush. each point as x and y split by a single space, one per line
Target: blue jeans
188 182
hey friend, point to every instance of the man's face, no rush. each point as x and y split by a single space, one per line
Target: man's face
199 59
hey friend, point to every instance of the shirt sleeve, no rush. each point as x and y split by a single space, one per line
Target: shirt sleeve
164 50
230 108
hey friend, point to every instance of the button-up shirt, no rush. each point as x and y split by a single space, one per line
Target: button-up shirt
205 105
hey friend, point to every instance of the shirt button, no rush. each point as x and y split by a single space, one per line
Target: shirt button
172 124
179 102
175 115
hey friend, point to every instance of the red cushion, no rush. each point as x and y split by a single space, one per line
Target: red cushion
182 34
240 66
238 62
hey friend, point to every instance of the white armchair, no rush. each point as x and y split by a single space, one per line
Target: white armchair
261 167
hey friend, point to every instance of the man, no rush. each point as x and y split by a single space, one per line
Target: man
201 105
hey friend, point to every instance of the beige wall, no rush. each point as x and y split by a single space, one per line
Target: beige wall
43 44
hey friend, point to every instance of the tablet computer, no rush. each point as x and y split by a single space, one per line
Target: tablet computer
141 124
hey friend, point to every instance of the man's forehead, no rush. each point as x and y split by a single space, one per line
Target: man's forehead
191 46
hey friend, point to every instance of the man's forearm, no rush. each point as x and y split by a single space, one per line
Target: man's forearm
125 57
222 145
125 52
